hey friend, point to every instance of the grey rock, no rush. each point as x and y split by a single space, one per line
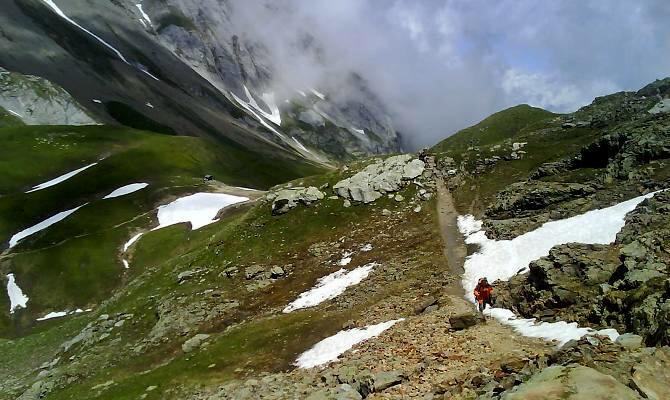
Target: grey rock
464 321
386 212
629 341
288 199
253 271
572 382
378 178
277 271
384 380
424 304
652 375
346 204
186 275
194 343
398 198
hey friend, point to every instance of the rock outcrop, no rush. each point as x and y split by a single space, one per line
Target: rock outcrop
36 101
287 199
379 178
624 285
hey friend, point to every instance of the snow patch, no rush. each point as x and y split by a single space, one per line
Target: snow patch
132 240
252 110
367 247
329 287
501 260
124 190
60 12
199 209
300 145
126 265
16 297
359 131
42 225
15 113
98 101
329 349
346 259
59 314
59 179
318 94
144 15
149 104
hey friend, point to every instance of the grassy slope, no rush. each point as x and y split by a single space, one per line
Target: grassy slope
268 340
546 141
75 263
7 119
502 125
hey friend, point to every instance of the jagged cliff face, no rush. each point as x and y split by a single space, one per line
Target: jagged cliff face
188 67
37 101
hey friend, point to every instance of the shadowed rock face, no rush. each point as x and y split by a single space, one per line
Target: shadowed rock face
179 64
37 101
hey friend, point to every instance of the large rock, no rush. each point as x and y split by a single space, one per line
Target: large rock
572 382
380 177
652 375
464 321
194 343
287 199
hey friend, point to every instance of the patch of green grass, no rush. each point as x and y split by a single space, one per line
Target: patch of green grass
8 119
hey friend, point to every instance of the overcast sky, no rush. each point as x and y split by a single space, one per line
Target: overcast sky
441 65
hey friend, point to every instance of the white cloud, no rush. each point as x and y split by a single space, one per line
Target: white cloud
550 92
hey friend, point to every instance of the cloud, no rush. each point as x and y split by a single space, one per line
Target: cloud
441 65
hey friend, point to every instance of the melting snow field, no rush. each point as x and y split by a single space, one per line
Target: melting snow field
346 259
59 314
505 258
128 189
199 209
16 297
329 349
330 286
59 179
14 240
130 241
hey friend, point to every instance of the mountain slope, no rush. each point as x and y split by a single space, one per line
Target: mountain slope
177 65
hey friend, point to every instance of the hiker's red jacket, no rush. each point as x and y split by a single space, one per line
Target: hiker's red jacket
483 293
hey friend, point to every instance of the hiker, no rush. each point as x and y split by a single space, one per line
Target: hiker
483 292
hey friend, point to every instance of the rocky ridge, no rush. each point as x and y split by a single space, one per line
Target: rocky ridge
36 101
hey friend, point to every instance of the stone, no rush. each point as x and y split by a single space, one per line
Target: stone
464 321
424 303
398 198
186 275
629 341
277 271
652 375
253 271
346 204
194 343
386 212
384 380
287 199
417 209
379 178
572 382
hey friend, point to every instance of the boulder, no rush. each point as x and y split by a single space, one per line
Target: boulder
194 343
287 199
572 382
652 375
629 341
464 321
384 380
424 303
379 178
277 271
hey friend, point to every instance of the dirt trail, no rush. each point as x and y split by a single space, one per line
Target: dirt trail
454 245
